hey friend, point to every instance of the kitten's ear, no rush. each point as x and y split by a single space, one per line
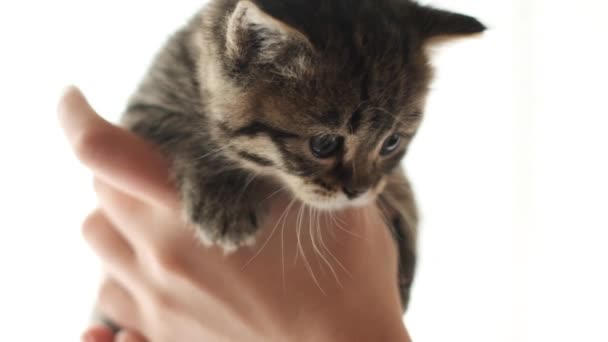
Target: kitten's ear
435 23
254 36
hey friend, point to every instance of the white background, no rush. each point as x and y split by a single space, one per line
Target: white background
510 167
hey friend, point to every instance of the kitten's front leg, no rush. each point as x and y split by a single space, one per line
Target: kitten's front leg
220 198
225 206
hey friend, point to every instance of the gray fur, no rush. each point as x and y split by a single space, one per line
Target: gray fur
231 97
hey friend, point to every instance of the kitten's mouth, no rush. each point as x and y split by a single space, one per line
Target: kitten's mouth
336 201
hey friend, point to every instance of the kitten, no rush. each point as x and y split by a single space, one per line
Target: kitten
320 96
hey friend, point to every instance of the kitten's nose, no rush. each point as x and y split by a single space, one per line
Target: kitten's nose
352 192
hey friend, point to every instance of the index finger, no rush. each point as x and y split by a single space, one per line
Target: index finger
117 156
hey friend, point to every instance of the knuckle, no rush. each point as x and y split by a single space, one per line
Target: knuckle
106 289
91 224
162 303
171 270
114 303
89 145
169 263
111 294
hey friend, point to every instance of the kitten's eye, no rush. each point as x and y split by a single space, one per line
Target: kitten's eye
325 146
391 144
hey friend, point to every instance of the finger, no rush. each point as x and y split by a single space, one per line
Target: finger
127 336
119 157
107 242
116 304
131 217
157 242
98 333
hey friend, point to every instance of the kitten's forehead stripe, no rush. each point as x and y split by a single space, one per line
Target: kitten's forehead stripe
355 121
330 118
334 117
365 87
256 159
381 120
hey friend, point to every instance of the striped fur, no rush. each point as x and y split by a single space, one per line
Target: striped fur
235 97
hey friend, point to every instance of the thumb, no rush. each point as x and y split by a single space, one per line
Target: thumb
115 155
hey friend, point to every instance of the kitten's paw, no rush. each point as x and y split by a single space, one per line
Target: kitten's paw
230 231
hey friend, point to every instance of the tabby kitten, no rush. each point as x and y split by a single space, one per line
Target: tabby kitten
320 96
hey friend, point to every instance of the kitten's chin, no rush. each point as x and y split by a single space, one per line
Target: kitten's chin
338 202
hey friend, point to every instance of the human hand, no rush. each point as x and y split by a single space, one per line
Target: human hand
309 277
100 333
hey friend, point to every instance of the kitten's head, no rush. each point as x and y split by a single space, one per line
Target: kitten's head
324 95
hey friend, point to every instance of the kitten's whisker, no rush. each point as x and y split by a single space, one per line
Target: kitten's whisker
329 221
269 237
274 193
319 251
298 230
331 254
326 222
310 270
333 224
283 244
251 179
319 229
340 219
324 246
311 232
212 153
336 221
